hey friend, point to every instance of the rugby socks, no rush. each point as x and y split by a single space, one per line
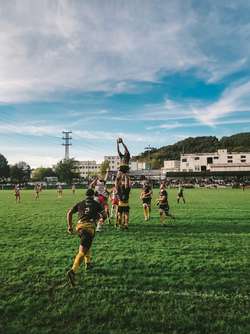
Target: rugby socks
77 262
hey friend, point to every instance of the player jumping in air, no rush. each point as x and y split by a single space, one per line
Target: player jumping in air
163 205
17 193
146 197
89 212
123 189
124 161
180 194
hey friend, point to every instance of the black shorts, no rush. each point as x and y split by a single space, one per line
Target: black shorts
146 201
123 209
124 168
164 207
180 195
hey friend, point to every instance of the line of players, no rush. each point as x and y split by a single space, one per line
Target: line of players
94 210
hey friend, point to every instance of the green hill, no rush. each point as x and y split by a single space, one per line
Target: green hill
235 143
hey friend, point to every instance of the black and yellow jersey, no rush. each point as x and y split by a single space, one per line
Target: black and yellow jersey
88 210
123 194
124 158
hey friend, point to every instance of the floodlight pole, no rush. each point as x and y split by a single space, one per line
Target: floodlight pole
66 143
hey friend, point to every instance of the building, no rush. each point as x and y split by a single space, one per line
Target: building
136 165
171 166
88 167
114 163
222 160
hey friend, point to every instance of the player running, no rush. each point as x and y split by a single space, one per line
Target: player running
123 190
17 193
163 206
89 212
180 194
73 188
146 197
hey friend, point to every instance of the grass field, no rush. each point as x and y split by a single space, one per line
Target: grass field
190 277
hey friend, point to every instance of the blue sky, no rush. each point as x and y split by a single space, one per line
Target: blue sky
153 72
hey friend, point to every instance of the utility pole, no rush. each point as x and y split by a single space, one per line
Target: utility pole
149 149
66 143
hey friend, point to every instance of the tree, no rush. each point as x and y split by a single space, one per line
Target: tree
4 168
20 172
40 173
66 171
104 167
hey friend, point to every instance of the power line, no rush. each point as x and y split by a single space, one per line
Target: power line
66 138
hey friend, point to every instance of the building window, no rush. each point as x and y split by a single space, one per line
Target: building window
229 161
184 160
216 158
197 158
209 160
243 157
243 160
229 157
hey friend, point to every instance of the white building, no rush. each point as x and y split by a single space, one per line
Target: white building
171 166
137 165
222 160
86 168
114 162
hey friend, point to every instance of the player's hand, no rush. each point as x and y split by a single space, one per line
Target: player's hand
70 230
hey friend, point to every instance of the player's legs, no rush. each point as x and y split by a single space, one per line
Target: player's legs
146 211
86 236
162 216
126 219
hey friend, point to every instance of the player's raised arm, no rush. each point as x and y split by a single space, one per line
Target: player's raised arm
118 147
125 147
94 183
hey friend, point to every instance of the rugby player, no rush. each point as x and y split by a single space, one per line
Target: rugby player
114 202
17 193
37 191
124 161
180 194
163 205
89 212
102 195
146 197
123 190
59 191
73 188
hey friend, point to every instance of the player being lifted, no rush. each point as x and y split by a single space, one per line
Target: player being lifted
59 191
89 212
162 202
146 197
123 187
17 193
180 194
124 161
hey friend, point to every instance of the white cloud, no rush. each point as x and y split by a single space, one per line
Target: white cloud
48 47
